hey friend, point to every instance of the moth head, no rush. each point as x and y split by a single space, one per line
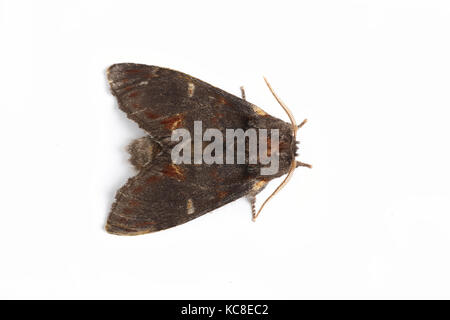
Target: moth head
294 163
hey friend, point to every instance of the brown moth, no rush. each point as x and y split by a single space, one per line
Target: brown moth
165 193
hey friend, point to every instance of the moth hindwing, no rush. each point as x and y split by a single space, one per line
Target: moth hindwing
165 193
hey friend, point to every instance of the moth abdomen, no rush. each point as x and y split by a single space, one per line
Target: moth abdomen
142 151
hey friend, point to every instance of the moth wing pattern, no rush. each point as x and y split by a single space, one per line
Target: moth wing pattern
161 100
163 195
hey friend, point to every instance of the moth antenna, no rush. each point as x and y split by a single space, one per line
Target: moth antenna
286 109
285 181
293 163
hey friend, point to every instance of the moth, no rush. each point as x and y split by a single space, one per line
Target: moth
165 193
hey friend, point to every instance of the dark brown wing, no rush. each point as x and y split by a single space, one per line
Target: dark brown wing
164 195
161 100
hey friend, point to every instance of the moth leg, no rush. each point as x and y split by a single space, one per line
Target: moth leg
302 124
302 164
242 92
252 200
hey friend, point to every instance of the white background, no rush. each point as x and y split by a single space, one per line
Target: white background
370 220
